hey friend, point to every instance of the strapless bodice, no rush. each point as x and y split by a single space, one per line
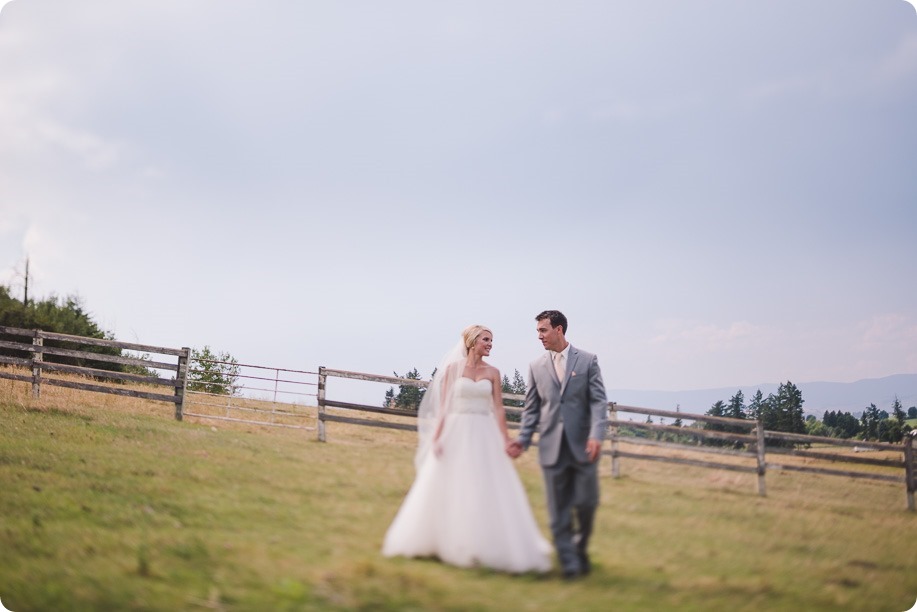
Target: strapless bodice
472 397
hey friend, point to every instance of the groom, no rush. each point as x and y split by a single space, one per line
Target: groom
566 403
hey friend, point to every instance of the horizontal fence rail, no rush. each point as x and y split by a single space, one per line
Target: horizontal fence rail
88 362
409 422
754 449
739 445
755 464
267 400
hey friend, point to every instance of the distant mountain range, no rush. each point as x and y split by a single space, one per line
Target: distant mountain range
818 397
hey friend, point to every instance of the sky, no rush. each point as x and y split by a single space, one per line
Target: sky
715 193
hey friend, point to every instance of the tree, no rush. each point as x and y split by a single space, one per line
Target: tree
516 387
768 413
736 407
215 373
789 409
519 386
756 407
718 409
889 430
62 316
814 427
898 411
912 412
870 423
846 425
409 396
506 385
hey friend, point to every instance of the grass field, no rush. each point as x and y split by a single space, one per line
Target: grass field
108 503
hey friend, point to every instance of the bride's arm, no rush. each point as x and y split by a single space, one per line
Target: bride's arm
499 410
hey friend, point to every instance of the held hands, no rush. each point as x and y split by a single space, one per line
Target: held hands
593 449
513 448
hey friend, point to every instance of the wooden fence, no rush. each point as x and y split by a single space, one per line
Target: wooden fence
616 434
34 351
408 421
755 449
749 450
273 396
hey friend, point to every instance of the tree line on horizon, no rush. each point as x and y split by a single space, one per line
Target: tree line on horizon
781 411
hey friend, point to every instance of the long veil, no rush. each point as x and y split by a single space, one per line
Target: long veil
437 398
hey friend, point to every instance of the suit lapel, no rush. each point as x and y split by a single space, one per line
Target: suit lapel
571 364
548 366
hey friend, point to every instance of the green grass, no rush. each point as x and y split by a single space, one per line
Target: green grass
119 507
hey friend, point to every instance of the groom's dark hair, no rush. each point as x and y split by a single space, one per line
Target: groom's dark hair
556 317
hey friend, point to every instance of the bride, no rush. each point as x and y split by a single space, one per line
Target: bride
467 506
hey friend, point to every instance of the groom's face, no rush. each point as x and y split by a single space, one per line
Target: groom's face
552 338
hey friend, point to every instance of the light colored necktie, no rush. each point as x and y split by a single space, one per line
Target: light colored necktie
559 366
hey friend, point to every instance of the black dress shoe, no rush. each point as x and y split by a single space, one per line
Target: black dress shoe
584 564
575 572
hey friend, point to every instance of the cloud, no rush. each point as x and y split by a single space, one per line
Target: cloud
901 64
889 330
703 337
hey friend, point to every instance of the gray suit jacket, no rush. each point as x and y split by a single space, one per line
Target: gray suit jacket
575 407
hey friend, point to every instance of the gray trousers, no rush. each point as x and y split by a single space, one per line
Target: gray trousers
572 490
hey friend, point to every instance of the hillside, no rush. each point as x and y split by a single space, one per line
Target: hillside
111 504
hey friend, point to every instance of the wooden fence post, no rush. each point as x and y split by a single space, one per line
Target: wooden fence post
181 382
762 463
909 475
321 403
615 461
37 359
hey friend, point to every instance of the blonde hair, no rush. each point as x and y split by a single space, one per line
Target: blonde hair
471 333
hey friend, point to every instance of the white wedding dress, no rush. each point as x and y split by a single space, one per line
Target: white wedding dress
467 506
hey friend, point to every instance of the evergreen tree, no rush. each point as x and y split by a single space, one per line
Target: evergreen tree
756 407
57 315
789 408
718 409
898 411
519 386
409 396
516 387
211 372
870 423
736 408
769 414
507 386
